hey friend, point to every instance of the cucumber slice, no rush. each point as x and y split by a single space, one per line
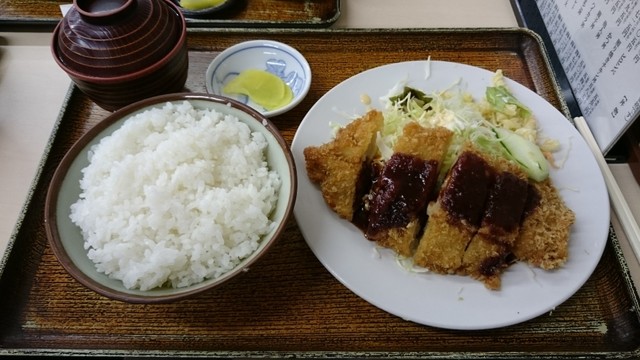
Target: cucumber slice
527 154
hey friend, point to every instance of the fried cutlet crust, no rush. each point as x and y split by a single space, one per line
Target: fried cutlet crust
448 244
424 143
336 165
544 236
442 245
446 236
488 253
427 144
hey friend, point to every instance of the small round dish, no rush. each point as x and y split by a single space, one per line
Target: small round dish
68 243
272 56
206 12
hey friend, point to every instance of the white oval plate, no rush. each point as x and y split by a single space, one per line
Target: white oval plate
450 301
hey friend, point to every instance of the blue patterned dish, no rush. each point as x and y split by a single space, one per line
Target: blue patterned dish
272 56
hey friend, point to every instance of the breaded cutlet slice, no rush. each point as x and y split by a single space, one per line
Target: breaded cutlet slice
442 245
403 189
336 165
428 144
544 234
490 249
455 217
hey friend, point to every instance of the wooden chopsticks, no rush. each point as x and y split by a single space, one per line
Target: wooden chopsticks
618 202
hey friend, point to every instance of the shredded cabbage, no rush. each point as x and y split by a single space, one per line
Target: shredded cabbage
455 109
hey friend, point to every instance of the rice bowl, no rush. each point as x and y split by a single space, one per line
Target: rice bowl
169 197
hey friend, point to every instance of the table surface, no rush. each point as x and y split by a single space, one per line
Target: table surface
33 88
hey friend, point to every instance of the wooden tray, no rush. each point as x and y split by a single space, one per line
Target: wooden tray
288 304
42 15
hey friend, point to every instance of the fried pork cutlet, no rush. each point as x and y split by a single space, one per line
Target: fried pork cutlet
400 195
336 165
455 216
544 235
490 249
485 215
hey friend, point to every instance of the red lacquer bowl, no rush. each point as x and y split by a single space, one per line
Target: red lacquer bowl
122 51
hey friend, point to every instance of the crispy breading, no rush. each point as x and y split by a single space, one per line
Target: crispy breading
481 254
424 143
336 165
402 240
488 253
473 228
544 235
455 217
429 145
442 245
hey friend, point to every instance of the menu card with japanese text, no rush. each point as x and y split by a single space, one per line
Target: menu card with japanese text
598 45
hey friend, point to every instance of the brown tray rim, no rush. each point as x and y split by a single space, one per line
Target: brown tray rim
613 239
14 23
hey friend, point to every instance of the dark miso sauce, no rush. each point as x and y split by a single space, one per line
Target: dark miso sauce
401 192
465 192
369 172
506 202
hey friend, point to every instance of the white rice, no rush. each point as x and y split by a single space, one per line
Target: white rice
175 196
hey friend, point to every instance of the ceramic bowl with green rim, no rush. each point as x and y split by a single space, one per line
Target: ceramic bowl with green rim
68 241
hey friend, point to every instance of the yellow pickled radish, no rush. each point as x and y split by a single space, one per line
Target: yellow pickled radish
199 4
262 87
